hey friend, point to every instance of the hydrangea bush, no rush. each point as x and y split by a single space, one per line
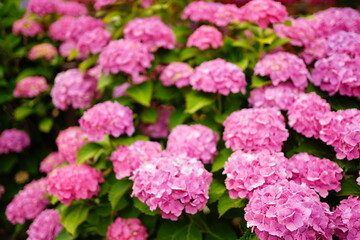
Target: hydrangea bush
180 119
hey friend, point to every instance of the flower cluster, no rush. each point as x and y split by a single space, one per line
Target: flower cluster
52 161
107 118
346 218
43 50
82 25
344 43
124 55
28 203
151 32
127 229
70 8
306 112
176 73
93 41
196 141
340 129
126 159
30 87
73 88
41 7
248 171
200 11
281 96
74 182
287 210
59 28
13 140
218 76
69 141
172 183
282 66
159 129
205 37
255 129
27 27
322 175
264 12
46 226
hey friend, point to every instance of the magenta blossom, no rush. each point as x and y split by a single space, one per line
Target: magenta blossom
30 87
71 8
200 11
46 226
27 27
205 37
52 161
58 29
126 229
176 73
13 140
93 41
43 50
41 7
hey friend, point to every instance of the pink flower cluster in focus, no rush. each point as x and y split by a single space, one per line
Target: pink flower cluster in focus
46 226
127 229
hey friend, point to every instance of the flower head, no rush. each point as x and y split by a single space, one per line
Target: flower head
93 41
46 226
200 11
205 37
41 7
255 129
58 29
30 87
127 229
43 50
74 182
81 25
176 73
13 140
27 27
71 8
107 118
52 161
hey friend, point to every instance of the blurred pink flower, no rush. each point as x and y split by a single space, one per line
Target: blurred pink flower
46 226
27 27
52 161
43 50
30 87
13 140
176 73
93 41
205 37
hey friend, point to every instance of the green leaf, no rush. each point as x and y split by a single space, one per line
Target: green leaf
63 235
85 65
266 40
46 124
73 54
149 115
221 231
188 53
22 112
343 102
248 235
217 189
196 101
277 43
165 93
104 81
349 187
242 43
118 190
167 229
142 207
257 81
226 203
141 93
188 232
220 159
7 162
72 216
243 63
129 140
88 151
178 117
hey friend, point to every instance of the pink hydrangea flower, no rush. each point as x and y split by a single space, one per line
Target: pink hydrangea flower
93 41
205 37
346 218
306 112
126 56
159 129
27 27
248 171
226 14
81 25
73 88
176 73
172 184
58 29
264 12
151 32
287 210
338 72
126 159
67 47
147 3
41 7
332 20
344 43
301 32
13 140
322 175
127 229
74 182
200 11
218 76
282 66
341 130
281 96
71 8
107 118
316 49
196 141
52 161
255 129
69 141
120 91
46 226
43 50
28 203
30 87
